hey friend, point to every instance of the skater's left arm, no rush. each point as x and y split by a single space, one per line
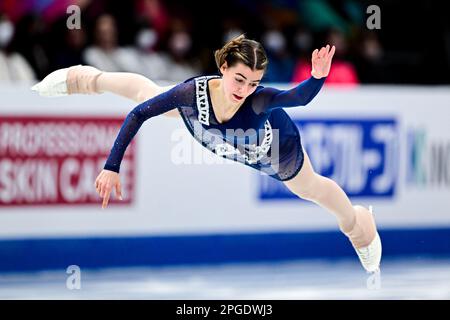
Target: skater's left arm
303 93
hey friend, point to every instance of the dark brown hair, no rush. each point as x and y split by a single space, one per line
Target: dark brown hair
240 49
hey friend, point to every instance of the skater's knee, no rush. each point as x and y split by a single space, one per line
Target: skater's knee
142 95
83 79
148 89
147 92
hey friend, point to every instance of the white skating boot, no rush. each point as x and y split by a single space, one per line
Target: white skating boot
62 82
364 232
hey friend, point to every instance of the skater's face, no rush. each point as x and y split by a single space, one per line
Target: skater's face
239 81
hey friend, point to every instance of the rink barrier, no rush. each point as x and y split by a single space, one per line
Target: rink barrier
157 251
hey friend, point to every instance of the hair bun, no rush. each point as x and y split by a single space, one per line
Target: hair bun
241 49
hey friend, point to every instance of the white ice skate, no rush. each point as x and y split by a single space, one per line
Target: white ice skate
370 256
53 85
365 231
63 82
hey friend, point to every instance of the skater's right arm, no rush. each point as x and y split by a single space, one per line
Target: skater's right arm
181 95
172 113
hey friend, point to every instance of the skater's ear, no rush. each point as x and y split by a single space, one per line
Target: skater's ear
223 67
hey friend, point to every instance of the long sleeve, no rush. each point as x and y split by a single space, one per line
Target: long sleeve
301 95
181 95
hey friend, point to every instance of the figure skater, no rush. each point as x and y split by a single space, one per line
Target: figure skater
232 100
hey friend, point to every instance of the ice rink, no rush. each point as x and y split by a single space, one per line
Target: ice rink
412 278
212 185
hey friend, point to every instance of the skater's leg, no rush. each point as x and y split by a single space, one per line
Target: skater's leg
133 86
89 80
356 222
130 85
323 191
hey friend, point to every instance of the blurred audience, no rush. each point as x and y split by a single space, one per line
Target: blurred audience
303 47
72 53
155 13
153 64
106 54
342 71
179 64
370 58
179 57
170 40
281 63
13 66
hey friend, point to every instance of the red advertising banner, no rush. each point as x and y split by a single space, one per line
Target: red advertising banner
55 160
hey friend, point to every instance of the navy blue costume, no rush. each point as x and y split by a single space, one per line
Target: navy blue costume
260 134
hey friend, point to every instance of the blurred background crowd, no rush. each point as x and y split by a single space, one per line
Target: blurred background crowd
174 40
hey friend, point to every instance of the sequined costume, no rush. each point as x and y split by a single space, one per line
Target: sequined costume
260 134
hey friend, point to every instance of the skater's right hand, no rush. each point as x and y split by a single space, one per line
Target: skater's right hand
104 184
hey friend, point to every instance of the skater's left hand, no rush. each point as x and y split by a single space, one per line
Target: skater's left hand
321 61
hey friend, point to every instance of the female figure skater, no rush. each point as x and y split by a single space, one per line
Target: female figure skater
233 100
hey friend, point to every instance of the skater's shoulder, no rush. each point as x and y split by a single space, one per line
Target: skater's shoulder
201 77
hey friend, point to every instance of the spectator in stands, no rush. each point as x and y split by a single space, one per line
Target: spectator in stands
13 66
370 59
72 52
342 72
155 13
179 58
106 54
303 43
153 64
281 64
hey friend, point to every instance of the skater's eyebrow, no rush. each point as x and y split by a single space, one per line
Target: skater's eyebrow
240 74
